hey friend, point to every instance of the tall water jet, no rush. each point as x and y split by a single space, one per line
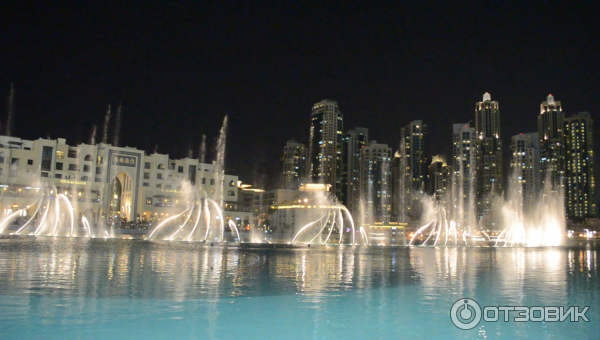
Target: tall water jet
117 126
401 185
220 162
106 123
202 155
93 138
11 109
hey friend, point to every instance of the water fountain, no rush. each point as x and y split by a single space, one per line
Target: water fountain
106 126
542 224
117 131
197 224
50 217
11 109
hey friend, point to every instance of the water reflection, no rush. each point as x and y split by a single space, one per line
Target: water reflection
179 271
379 284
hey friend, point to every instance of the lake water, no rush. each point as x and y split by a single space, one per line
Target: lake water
59 288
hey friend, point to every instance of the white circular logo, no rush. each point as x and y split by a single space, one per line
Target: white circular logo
465 314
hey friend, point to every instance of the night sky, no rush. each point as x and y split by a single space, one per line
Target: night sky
178 69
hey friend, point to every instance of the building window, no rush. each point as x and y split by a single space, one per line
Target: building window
84 178
57 176
44 174
146 175
212 181
180 169
203 180
232 183
97 179
72 167
161 167
159 176
86 168
172 166
1 157
99 160
59 166
230 193
30 162
14 161
60 155
72 154
88 158
158 185
46 164
146 184
148 200
146 165
47 152
98 170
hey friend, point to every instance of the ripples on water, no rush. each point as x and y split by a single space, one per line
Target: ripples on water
80 288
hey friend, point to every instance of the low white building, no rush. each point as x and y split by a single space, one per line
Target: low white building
103 181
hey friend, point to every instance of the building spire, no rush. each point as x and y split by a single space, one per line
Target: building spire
487 97
550 99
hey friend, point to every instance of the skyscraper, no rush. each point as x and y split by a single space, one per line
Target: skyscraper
294 164
438 179
356 139
579 157
464 155
413 154
525 168
325 145
376 181
489 154
552 152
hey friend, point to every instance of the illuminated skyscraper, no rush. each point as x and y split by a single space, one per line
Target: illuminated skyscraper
325 145
464 154
552 150
413 169
438 179
579 157
376 181
525 168
356 139
489 153
294 163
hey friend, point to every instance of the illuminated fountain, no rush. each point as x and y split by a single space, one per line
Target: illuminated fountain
53 216
200 220
326 218
542 222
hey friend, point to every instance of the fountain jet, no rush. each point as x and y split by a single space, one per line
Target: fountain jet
106 125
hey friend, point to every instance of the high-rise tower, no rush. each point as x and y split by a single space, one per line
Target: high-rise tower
464 155
438 181
294 163
464 170
356 139
525 168
325 145
552 146
376 181
579 157
414 167
489 153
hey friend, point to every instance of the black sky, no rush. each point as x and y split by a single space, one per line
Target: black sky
179 68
